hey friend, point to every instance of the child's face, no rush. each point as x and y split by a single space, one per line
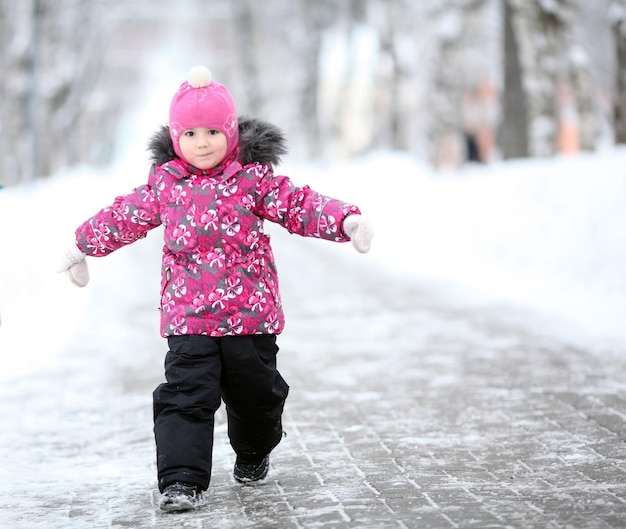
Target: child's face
203 148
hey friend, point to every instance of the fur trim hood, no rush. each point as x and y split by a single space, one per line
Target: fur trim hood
259 141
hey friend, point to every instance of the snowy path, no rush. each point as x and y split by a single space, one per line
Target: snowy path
408 411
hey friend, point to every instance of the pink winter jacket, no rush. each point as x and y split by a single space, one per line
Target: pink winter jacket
218 273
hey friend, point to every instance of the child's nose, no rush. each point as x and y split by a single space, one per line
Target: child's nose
203 139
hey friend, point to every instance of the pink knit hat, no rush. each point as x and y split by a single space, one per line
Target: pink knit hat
202 102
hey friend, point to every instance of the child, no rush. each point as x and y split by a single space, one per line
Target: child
211 186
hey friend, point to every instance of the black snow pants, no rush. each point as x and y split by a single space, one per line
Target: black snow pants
200 371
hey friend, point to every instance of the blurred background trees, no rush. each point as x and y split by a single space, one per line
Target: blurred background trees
448 80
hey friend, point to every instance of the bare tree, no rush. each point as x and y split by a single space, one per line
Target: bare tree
246 47
543 31
16 110
341 117
404 75
514 141
50 61
455 68
396 73
315 18
618 15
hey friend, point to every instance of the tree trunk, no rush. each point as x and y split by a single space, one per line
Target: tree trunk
457 23
245 43
619 32
52 52
514 126
544 32
342 116
16 132
316 16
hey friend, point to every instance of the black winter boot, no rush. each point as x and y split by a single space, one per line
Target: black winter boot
179 497
249 470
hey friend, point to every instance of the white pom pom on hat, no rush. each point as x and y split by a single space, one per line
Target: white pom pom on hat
199 77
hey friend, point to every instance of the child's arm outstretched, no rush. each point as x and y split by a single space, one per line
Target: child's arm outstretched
128 219
304 211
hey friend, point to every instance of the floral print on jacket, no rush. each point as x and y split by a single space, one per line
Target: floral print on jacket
219 276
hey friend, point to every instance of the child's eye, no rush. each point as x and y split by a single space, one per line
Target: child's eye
189 133
213 132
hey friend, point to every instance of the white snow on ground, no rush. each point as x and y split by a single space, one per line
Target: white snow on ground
546 235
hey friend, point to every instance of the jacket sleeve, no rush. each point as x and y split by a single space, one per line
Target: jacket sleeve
301 210
128 219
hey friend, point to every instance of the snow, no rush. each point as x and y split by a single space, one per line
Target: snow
543 239
543 235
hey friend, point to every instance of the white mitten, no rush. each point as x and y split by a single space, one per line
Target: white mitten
360 232
73 263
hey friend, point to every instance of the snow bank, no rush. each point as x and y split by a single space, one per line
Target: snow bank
544 234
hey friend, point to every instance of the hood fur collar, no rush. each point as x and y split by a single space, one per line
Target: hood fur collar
259 141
